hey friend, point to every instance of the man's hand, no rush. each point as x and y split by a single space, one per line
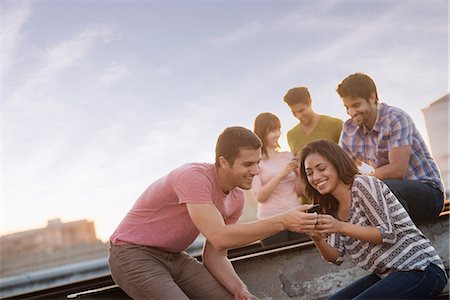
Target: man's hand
244 294
297 220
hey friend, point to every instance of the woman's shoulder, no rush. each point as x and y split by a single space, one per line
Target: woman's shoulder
364 180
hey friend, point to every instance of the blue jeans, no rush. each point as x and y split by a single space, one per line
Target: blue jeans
398 285
421 200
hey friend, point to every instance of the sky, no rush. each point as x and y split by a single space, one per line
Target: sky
101 98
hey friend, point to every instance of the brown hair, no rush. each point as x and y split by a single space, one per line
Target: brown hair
298 95
232 139
344 165
357 85
264 123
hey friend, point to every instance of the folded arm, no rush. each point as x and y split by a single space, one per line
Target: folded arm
267 189
397 166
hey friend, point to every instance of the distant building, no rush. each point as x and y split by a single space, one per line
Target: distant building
436 119
57 244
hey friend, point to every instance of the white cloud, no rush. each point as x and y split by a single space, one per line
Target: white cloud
311 17
13 18
163 72
114 72
34 92
246 32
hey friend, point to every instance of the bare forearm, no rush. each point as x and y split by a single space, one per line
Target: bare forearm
389 171
328 253
221 268
210 223
299 186
398 164
235 235
267 189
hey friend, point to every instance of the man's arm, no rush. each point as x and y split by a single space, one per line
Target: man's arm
210 223
221 268
397 166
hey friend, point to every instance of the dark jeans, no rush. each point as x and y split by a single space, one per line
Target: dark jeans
398 285
421 200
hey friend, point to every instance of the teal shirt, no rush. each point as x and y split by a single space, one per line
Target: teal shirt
328 128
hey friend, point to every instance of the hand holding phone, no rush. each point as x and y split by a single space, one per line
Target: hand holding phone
314 209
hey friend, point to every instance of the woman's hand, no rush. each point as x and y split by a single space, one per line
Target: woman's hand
314 234
290 167
327 224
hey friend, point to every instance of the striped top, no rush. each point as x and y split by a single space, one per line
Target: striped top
404 247
392 128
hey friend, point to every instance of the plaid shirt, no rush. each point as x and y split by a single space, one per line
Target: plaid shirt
393 128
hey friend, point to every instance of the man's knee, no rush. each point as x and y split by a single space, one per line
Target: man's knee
396 187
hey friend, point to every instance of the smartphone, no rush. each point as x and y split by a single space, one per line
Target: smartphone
314 209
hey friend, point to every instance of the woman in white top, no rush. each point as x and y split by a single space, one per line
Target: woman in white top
363 219
275 188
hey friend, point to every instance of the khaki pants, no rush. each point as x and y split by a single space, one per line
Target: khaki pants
149 273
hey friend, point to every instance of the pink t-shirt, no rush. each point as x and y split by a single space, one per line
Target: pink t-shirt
284 196
159 217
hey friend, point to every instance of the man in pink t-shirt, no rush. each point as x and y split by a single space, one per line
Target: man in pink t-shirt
147 258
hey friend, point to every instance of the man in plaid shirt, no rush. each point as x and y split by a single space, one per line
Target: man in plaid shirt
386 138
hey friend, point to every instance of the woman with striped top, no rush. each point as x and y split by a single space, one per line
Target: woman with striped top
361 217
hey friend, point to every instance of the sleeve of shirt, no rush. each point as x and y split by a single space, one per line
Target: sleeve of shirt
193 186
338 130
401 131
343 143
375 208
335 241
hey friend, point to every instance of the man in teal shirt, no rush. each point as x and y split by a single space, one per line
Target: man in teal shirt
312 126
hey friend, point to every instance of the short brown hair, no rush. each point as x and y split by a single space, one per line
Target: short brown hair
232 139
357 85
344 165
298 95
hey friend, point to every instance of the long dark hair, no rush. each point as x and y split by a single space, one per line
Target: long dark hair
344 165
264 123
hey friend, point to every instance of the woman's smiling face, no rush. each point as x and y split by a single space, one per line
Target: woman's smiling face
321 174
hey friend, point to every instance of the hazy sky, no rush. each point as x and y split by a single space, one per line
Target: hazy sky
100 98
